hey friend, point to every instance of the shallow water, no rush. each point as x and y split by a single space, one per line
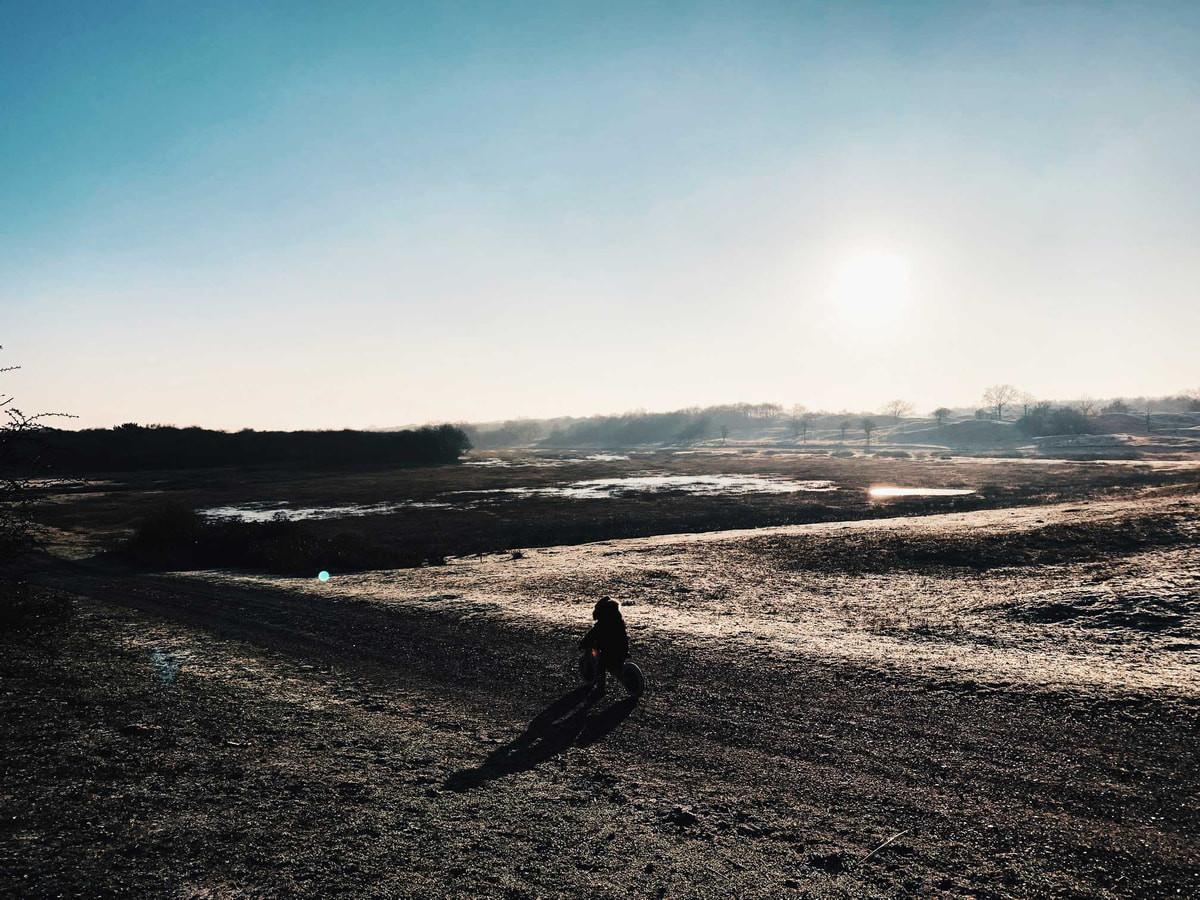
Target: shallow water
884 492
522 463
600 488
543 462
266 512
605 488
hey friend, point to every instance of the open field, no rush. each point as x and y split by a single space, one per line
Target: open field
1008 680
501 501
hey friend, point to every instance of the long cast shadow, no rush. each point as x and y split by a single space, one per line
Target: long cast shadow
565 723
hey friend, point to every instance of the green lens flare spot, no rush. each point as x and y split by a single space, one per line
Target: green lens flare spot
324 576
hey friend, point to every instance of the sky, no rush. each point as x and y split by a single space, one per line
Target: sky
352 215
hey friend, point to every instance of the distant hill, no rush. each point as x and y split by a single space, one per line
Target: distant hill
972 434
771 424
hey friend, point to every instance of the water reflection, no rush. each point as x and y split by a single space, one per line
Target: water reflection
594 489
267 512
605 488
543 462
884 492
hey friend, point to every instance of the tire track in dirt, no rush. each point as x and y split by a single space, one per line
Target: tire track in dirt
740 749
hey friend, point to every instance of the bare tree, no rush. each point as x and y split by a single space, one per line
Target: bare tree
799 420
845 423
724 434
764 411
897 409
1085 405
942 413
867 424
999 396
1026 400
18 458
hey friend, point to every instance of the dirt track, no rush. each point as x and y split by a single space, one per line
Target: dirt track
418 743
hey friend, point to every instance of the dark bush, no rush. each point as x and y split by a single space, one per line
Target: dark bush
132 446
176 537
169 535
694 431
1045 420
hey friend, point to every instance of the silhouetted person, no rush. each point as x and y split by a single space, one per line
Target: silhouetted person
609 639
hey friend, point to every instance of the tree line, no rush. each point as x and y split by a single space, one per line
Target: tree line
131 446
683 426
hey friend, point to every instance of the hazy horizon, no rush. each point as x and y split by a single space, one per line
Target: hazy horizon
318 217
1012 413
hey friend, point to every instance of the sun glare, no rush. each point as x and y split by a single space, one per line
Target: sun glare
871 287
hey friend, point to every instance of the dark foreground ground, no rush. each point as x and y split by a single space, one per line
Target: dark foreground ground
183 738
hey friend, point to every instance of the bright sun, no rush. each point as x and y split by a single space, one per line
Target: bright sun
871 287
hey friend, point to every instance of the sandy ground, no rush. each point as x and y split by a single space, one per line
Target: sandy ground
1114 625
1013 692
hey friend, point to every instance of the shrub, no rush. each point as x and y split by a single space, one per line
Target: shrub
133 446
1044 420
176 537
169 534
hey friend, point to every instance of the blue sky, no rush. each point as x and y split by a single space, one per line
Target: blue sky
328 215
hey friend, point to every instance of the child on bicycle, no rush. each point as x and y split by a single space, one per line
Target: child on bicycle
608 639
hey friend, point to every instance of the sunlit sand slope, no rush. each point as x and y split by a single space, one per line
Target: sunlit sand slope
1103 595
